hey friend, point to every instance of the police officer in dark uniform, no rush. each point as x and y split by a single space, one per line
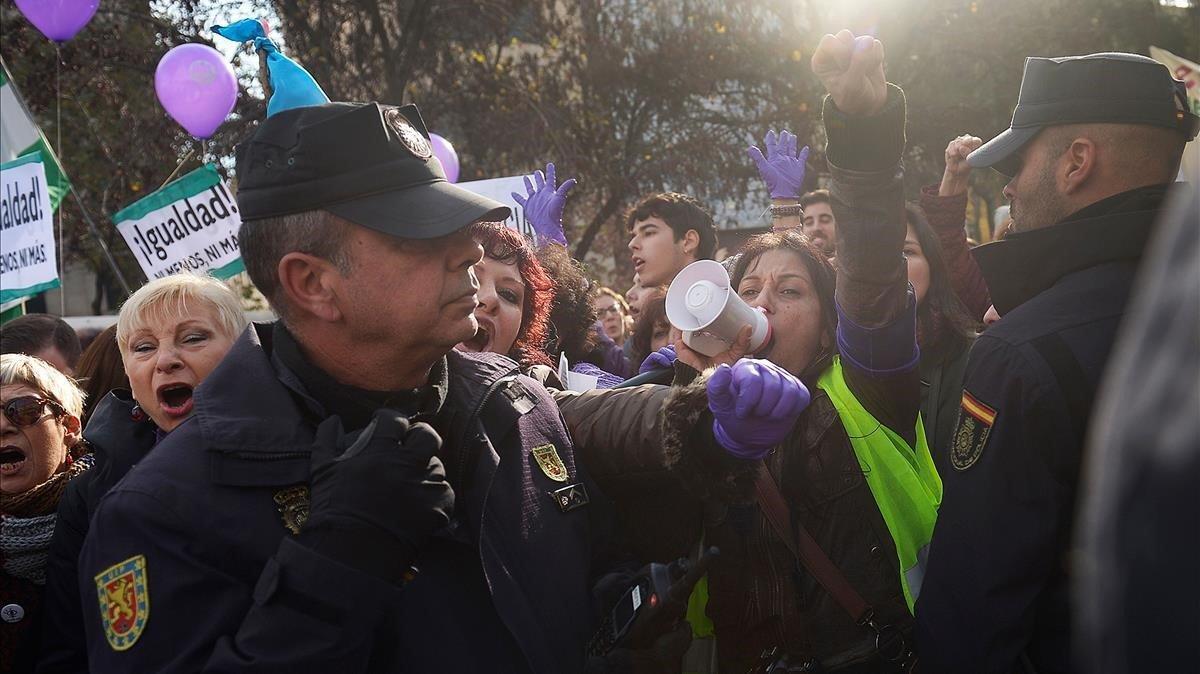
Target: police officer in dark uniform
1095 142
350 493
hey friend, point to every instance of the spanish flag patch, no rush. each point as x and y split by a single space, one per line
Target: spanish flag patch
975 421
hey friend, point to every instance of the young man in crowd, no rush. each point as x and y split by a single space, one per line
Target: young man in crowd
818 222
351 494
43 336
669 232
1095 143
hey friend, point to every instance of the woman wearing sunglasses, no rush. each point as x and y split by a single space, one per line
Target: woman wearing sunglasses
171 334
41 450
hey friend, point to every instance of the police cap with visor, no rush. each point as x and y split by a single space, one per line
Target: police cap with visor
1109 87
368 163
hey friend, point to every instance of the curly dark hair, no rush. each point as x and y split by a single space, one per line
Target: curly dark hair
654 314
572 316
507 246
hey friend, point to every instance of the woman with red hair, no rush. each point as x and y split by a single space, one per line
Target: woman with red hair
514 298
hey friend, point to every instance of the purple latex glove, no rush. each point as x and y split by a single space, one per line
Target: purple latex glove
755 404
659 360
544 204
782 169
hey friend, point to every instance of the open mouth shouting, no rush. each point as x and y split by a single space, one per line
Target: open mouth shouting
482 340
175 400
638 263
12 459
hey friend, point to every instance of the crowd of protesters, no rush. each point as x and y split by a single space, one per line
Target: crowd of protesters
399 474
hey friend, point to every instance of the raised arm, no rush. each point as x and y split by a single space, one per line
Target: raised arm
864 120
945 206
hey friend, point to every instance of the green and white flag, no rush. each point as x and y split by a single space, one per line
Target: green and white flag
20 136
190 224
28 258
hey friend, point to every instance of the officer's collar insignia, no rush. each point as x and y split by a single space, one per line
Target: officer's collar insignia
548 461
975 421
407 134
293 507
570 497
124 601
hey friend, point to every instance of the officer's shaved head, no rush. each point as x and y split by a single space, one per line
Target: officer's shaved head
1144 154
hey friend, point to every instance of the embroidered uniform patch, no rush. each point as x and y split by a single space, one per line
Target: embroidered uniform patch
293 507
124 601
548 461
975 421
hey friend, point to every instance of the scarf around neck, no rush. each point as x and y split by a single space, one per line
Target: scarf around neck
27 523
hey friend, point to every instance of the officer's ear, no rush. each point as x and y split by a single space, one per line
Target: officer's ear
310 285
1078 164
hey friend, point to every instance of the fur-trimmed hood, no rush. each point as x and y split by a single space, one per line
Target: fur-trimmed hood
691 451
701 463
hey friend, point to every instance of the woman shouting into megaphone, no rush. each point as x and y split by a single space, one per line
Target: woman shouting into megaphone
807 460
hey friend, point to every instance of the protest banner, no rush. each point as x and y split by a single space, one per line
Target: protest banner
501 190
188 225
28 255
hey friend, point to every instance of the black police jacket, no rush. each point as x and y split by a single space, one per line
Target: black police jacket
199 571
119 438
995 594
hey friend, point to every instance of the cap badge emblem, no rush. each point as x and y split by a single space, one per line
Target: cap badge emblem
407 134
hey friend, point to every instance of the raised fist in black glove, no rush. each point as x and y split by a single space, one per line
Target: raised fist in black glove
376 495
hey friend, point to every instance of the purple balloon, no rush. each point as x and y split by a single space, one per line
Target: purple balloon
197 87
58 20
444 151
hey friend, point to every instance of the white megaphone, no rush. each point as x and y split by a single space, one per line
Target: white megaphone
709 312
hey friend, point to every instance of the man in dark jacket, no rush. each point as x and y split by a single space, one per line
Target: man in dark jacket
1095 142
350 494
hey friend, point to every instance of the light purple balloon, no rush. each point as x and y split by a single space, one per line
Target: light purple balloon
444 151
58 20
197 87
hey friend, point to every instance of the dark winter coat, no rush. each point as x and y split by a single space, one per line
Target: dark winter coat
229 588
997 586
120 436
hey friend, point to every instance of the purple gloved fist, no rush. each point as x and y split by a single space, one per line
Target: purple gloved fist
659 360
783 168
544 205
755 404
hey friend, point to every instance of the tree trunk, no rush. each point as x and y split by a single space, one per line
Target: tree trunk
593 228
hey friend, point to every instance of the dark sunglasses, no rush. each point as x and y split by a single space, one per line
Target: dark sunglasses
28 410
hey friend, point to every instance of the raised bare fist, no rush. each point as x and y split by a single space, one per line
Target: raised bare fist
851 68
954 180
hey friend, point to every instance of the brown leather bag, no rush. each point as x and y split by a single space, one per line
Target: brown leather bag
890 643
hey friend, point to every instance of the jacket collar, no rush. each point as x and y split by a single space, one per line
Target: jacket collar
239 411
116 431
242 406
1029 263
